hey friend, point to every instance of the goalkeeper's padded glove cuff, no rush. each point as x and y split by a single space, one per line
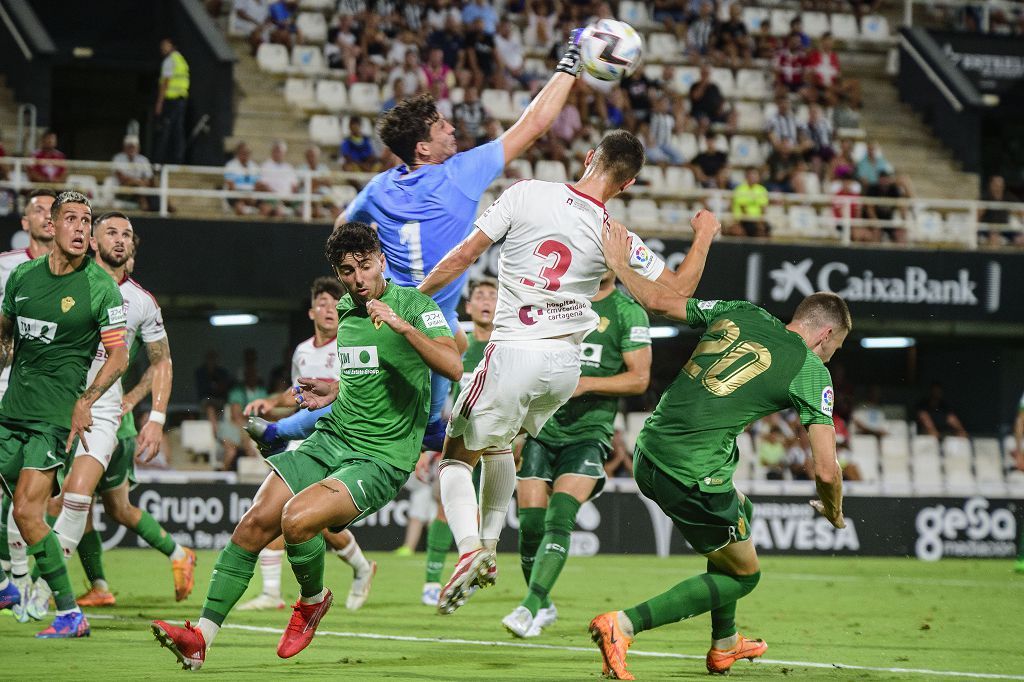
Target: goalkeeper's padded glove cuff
571 62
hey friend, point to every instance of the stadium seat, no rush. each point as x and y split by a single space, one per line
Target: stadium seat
802 220
957 227
312 26
521 168
895 474
534 65
331 95
317 5
686 143
780 21
300 92
874 27
634 422
844 26
252 470
272 57
550 171
364 98
662 47
988 464
651 179
307 59
684 78
812 183
679 179
815 24
643 213
520 100
752 84
864 453
457 96
616 208
342 195
928 226
753 17
634 13
725 81
956 465
498 103
652 72
197 437
745 150
325 130
675 216
924 451
86 184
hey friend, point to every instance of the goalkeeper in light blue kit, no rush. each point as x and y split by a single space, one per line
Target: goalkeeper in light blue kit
425 207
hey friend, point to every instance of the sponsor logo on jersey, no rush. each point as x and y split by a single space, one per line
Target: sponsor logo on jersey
118 315
828 399
603 323
640 334
707 305
590 354
642 257
530 314
37 330
358 360
434 319
66 304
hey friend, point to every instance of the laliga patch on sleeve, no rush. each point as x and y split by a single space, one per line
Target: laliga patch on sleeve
435 318
707 305
117 315
828 400
642 257
640 334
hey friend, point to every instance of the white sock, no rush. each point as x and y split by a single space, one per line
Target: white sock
178 554
4 583
316 598
19 550
270 569
101 585
352 555
459 500
5 565
70 525
64 613
625 624
497 483
209 630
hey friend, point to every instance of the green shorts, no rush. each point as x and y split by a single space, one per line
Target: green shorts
370 482
708 521
27 448
548 462
121 467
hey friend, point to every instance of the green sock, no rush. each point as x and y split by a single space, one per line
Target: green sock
307 560
439 541
531 531
50 560
35 573
50 520
723 618
90 553
231 575
5 507
154 534
692 597
554 550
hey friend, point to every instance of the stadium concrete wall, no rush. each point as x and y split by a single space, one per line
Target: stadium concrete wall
203 515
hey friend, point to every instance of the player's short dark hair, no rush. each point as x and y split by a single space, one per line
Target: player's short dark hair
354 238
620 156
42 192
482 282
107 216
326 285
407 124
823 309
68 197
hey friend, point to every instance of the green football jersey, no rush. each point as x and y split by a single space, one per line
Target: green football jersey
623 327
126 429
470 359
747 365
384 393
57 325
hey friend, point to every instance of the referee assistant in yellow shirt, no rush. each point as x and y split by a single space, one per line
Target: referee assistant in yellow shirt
748 203
171 103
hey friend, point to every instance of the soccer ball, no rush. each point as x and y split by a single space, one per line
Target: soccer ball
611 49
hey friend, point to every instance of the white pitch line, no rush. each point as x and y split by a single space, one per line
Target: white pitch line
633 652
900 580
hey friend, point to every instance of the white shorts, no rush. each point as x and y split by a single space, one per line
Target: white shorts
102 440
518 385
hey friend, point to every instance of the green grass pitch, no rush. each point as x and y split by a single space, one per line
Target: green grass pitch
955 617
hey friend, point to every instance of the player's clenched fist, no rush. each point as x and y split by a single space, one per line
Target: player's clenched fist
705 224
381 313
616 245
313 394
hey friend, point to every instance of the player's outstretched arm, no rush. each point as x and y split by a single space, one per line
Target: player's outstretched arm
656 297
827 474
440 354
456 262
687 276
111 371
633 381
6 340
548 103
151 436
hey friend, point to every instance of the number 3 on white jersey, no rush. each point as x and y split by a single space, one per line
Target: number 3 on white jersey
410 235
550 276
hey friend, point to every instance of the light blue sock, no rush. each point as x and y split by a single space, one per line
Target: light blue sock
299 425
439 389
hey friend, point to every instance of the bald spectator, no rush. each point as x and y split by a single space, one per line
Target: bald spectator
132 169
49 166
280 178
241 174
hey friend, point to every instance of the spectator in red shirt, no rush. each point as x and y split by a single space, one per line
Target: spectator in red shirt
437 71
789 65
845 186
52 172
823 76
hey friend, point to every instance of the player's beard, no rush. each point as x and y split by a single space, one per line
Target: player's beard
111 260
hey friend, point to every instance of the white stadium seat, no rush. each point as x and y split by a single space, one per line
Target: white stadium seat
307 59
498 103
679 179
550 171
272 57
675 216
802 221
86 184
864 453
956 465
844 27
753 17
616 208
725 81
325 130
812 183
197 437
364 98
662 47
520 100
342 195
745 150
634 13
874 27
331 95
457 96
686 143
780 21
895 474
317 5
643 213
752 84
684 78
521 168
312 26
815 24
634 422
651 179
300 92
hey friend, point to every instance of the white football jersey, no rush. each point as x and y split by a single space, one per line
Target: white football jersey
143 318
317 362
8 261
552 260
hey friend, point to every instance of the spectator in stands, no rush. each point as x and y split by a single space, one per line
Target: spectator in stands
342 47
469 114
701 29
825 84
241 174
819 133
171 105
861 8
213 382
374 42
510 53
869 417
320 183
437 72
788 64
132 169
280 178
871 165
357 152
711 166
478 54
439 12
49 166
449 41
541 26
249 19
782 163
783 127
1018 459
995 191
232 428
733 45
796 28
641 92
662 126
765 44
844 205
887 188
707 104
401 47
851 472
749 201
771 452
482 11
398 94
410 73
935 417
843 160
568 123
844 114
282 15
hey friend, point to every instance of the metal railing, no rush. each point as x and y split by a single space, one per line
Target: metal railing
927 221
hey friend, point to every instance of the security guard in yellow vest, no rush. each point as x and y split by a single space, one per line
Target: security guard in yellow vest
171 104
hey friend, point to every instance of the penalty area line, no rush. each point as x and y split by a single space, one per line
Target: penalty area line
633 652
